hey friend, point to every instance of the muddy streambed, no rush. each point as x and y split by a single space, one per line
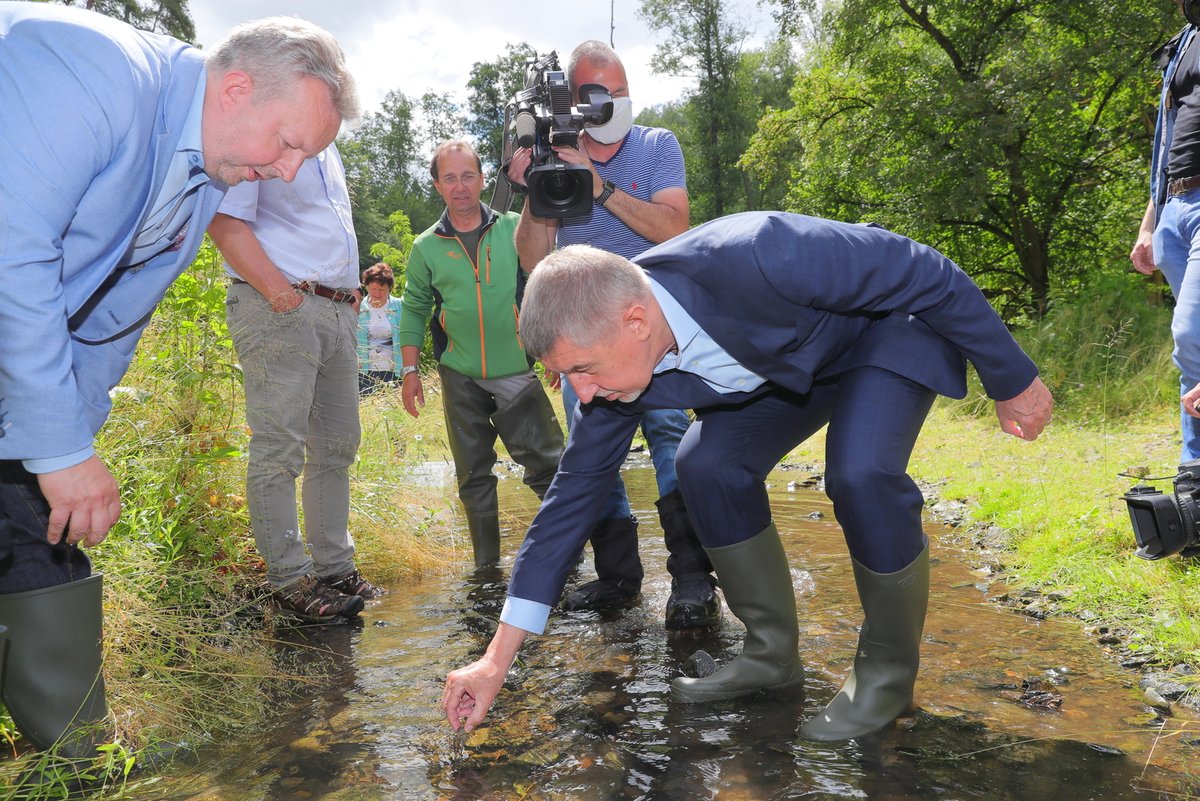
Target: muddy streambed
1010 707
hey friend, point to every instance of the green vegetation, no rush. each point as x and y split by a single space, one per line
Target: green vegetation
1057 500
190 646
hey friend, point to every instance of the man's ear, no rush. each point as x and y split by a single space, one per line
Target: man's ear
235 87
637 321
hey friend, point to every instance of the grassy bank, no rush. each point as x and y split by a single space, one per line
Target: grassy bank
191 652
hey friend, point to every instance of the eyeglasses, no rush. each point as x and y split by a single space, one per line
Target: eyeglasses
455 180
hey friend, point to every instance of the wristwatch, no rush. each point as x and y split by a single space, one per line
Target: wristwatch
606 193
406 369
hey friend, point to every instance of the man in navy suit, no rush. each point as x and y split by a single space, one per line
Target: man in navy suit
116 146
770 326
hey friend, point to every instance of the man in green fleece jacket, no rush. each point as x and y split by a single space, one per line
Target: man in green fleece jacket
465 282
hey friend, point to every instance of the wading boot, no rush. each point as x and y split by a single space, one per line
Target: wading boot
614 546
757 581
880 686
693 603
532 436
485 538
50 677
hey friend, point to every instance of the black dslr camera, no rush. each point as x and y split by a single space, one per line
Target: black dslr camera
1166 524
543 117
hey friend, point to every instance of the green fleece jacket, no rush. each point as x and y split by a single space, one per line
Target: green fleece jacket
471 311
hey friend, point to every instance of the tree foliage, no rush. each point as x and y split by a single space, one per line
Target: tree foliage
387 167
491 86
734 87
1013 135
159 16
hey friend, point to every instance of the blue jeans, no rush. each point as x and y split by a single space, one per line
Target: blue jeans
27 560
1177 254
663 429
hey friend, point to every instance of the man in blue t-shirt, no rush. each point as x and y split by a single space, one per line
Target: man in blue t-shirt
640 199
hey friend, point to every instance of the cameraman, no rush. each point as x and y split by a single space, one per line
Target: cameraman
640 199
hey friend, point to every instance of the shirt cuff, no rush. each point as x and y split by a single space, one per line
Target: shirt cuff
528 616
58 462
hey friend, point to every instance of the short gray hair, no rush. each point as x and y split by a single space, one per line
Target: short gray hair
277 50
577 295
595 51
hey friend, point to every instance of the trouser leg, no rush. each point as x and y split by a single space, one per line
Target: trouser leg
531 433
280 357
1177 254
333 437
472 437
879 509
28 561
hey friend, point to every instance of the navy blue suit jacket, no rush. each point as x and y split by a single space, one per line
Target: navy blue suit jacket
794 299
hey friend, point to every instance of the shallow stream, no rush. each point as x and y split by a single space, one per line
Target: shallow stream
1011 707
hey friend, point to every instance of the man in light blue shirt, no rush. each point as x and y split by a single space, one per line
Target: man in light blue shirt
292 310
116 147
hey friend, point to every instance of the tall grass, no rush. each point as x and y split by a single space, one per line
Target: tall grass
190 649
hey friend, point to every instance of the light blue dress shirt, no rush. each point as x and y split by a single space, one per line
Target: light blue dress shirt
306 240
698 354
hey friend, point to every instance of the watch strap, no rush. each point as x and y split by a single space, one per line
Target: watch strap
606 193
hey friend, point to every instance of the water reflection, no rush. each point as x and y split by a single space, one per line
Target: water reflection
586 712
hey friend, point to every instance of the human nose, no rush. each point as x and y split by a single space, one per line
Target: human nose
289 164
586 390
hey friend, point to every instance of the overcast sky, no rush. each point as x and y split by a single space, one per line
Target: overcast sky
417 46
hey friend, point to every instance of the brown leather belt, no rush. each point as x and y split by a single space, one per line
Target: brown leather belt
1177 186
313 288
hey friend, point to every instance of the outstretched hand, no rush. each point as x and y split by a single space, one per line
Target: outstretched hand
1028 413
470 691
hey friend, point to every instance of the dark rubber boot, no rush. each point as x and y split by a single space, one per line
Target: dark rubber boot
757 581
693 603
614 545
51 679
485 539
880 687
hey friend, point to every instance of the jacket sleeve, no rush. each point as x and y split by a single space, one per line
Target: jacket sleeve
848 269
596 448
417 302
49 154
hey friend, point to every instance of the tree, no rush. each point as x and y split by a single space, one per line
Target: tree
735 87
396 250
1012 135
489 89
387 164
159 16
706 43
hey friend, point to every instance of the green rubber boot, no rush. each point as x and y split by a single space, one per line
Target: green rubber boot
51 680
485 538
880 686
757 583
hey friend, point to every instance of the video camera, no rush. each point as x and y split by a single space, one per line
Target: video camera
544 118
1165 524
